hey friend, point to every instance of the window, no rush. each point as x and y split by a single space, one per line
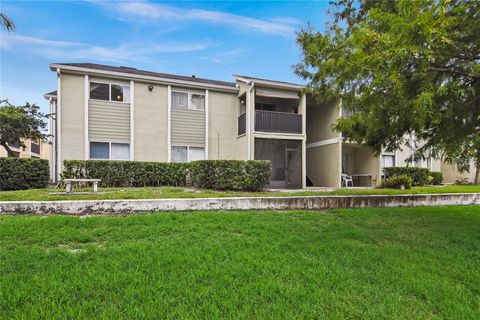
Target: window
198 101
109 92
186 100
179 100
99 91
388 161
109 151
120 93
196 154
185 154
99 150
120 151
179 154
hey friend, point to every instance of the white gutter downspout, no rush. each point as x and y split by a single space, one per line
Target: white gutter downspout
59 126
250 118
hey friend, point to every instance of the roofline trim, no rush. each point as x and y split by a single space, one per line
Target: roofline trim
142 77
48 96
270 83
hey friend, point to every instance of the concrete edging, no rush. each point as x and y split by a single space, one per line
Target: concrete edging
84 207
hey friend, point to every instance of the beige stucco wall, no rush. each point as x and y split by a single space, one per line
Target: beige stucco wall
323 165
451 174
320 118
223 142
72 108
27 152
150 126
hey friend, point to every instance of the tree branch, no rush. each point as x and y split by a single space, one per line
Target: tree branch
9 151
453 71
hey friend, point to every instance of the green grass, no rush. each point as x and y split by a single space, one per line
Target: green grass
172 192
404 263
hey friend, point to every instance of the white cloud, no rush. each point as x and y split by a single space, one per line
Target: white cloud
141 10
54 49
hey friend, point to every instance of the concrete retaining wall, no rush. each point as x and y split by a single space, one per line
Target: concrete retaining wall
83 207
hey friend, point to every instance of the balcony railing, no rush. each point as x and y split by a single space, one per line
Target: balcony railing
281 122
242 124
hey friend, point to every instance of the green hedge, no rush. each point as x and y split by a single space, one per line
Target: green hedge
210 174
127 173
419 175
437 177
395 182
19 173
252 175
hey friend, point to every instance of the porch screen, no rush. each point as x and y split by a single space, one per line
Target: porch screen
286 158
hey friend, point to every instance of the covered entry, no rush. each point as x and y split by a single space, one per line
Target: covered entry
286 158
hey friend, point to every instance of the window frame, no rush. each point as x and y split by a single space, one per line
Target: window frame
109 92
394 160
109 151
189 101
188 152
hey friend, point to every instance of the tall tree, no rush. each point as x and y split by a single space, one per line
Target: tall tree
6 22
401 67
20 123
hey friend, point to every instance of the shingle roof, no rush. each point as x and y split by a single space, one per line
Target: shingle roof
269 80
135 71
51 93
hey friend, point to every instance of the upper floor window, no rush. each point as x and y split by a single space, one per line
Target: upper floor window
109 92
388 161
188 100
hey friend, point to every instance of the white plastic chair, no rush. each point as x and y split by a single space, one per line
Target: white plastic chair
346 179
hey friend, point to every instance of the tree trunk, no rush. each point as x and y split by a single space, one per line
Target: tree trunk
477 173
10 153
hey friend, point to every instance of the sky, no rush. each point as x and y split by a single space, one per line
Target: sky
212 40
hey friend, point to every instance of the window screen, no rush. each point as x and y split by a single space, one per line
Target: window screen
179 154
196 154
179 100
99 91
120 151
99 150
198 101
388 161
120 93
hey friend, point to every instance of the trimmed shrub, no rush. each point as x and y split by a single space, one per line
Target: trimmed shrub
252 175
419 175
20 173
437 177
396 182
127 173
210 174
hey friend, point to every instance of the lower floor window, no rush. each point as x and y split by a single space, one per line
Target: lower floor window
186 153
109 151
388 161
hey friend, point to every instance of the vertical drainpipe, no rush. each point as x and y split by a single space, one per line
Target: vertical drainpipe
250 128
132 120
303 108
86 97
340 141
169 123
59 126
206 124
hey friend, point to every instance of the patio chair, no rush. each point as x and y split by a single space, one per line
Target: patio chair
346 179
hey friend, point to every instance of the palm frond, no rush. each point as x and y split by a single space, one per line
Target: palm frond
6 22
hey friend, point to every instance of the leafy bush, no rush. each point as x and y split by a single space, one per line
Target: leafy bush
252 175
19 173
419 175
211 174
437 177
396 182
462 181
127 173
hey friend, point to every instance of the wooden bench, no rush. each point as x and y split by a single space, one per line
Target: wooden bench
69 187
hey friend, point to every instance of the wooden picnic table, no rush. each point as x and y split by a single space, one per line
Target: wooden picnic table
69 184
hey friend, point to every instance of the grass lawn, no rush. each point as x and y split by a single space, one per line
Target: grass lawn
404 263
173 192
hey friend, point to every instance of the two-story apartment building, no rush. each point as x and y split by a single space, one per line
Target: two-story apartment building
121 113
